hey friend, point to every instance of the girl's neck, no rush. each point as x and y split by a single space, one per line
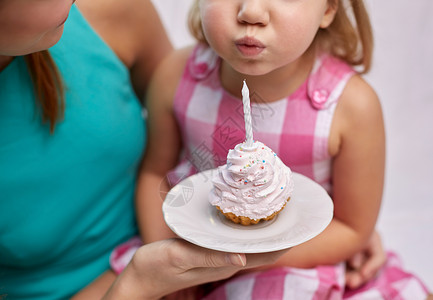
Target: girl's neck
5 61
273 86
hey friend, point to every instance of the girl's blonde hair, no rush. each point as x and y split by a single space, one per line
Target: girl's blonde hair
48 86
348 37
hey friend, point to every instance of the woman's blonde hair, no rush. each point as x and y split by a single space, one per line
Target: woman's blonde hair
348 37
48 86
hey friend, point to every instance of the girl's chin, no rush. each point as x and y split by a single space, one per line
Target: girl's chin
249 68
252 71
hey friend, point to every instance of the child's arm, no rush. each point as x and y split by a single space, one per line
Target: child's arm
365 265
163 148
357 144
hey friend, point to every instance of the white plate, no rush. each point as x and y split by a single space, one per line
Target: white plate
189 214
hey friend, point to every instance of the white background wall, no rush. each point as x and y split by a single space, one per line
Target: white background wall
402 75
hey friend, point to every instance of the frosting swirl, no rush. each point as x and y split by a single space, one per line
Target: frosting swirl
254 183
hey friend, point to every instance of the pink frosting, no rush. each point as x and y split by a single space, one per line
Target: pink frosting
254 183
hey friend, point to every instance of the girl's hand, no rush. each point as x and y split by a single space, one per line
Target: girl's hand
364 265
163 267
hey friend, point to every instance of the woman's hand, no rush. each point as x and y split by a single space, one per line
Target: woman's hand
160 268
365 264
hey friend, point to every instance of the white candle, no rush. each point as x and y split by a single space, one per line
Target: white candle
247 115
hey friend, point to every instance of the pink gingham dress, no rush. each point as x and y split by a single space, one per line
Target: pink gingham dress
297 129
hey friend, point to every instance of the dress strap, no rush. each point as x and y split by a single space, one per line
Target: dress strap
202 61
327 81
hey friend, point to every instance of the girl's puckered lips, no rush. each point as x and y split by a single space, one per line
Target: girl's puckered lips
249 46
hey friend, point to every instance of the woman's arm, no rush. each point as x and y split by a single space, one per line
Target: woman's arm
160 268
134 31
163 267
98 288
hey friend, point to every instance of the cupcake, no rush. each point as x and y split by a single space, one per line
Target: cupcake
254 185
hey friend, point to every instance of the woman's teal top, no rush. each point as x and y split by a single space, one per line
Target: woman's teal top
66 199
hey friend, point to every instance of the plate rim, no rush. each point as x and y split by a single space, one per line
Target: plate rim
223 247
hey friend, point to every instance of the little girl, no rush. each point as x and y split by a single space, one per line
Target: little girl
302 60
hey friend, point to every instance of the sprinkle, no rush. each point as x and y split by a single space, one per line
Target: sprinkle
263 167
281 187
263 161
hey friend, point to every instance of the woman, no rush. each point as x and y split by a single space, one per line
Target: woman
71 138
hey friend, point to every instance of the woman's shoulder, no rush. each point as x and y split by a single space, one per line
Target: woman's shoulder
130 27
133 30
112 11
